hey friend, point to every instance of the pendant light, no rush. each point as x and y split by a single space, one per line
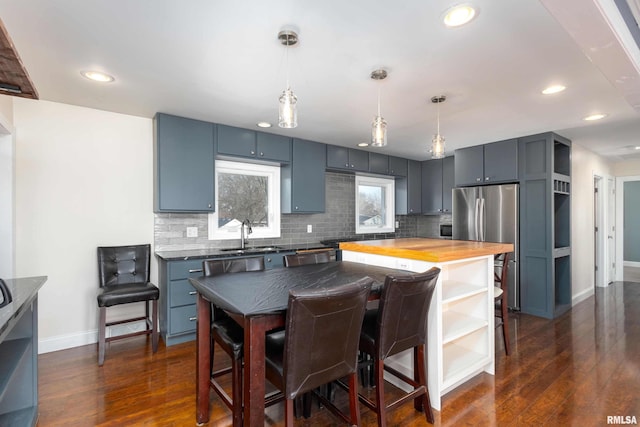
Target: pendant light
287 113
379 125
437 144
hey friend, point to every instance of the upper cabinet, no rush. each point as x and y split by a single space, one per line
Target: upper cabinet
437 183
487 164
397 166
183 165
302 180
247 143
378 163
409 190
347 159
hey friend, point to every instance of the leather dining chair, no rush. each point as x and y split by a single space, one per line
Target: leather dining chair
301 360
500 295
400 323
229 335
306 258
123 275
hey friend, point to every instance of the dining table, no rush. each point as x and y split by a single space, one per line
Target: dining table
258 302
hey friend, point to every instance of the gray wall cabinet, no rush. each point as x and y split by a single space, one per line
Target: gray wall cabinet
437 182
378 163
233 141
178 302
545 230
184 165
397 166
487 164
302 181
347 159
409 190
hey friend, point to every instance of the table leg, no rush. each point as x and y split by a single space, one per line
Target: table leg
254 374
203 349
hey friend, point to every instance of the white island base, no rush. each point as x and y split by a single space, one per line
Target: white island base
460 341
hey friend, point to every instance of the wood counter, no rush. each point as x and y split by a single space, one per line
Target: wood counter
432 250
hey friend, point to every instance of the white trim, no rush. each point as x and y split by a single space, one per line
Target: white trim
620 222
631 264
389 221
272 172
579 297
63 342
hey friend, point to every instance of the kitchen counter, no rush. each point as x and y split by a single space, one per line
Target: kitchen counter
23 291
222 253
433 250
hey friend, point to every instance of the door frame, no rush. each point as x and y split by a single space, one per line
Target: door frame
620 180
599 231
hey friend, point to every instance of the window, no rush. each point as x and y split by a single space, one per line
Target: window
375 205
246 191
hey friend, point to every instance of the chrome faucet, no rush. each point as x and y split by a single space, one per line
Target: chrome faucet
243 238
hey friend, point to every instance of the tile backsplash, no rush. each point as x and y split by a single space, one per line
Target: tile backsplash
170 230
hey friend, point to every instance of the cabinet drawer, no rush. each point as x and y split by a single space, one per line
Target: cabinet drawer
185 269
183 319
181 293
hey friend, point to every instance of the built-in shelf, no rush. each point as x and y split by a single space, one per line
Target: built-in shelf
12 353
22 417
456 325
464 356
455 290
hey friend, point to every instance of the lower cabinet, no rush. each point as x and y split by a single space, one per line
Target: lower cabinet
178 297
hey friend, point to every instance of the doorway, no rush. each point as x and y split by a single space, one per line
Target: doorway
604 229
619 235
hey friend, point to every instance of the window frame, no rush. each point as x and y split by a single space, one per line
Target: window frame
389 185
272 172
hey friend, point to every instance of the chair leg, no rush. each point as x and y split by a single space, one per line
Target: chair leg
102 330
378 366
354 409
288 413
504 310
417 369
154 332
422 379
236 391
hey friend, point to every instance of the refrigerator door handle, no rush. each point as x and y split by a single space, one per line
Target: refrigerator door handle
476 217
482 222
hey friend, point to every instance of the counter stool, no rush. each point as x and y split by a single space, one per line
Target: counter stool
501 262
306 258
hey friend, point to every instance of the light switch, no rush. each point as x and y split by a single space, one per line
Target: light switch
192 231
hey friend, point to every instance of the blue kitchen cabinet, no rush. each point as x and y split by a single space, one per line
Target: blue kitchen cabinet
487 164
378 163
397 166
184 165
409 190
343 158
303 180
437 183
238 142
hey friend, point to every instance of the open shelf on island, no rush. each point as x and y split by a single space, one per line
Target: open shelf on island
464 356
455 290
456 325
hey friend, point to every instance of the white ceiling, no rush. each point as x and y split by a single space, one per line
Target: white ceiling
220 61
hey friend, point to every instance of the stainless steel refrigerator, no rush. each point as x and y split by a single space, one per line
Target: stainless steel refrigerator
490 214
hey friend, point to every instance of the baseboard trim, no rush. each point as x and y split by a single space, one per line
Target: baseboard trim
63 342
631 264
578 298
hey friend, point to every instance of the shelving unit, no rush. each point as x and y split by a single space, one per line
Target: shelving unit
461 320
545 235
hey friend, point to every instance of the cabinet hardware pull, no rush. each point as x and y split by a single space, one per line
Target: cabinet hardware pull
192 293
477 179
486 178
261 154
197 270
268 259
253 152
192 319
209 205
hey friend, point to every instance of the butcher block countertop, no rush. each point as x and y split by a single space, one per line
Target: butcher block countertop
433 250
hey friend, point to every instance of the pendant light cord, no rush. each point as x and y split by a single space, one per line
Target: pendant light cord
378 99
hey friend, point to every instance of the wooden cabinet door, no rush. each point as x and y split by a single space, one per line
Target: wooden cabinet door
184 165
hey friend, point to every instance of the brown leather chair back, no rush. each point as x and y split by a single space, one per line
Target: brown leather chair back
211 267
403 312
119 265
322 333
306 258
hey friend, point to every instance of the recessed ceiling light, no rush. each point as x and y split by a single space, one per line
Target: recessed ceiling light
594 117
459 15
637 147
264 124
553 89
363 144
97 76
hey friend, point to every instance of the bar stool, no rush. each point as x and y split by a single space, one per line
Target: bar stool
501 262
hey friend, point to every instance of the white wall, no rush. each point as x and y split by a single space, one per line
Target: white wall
83 179
7 189
584 165
627 168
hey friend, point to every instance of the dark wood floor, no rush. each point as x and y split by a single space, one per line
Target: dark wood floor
574 370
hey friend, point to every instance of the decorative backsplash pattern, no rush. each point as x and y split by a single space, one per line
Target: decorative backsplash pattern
170 230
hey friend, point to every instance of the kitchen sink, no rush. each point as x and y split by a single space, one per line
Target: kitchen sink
251 250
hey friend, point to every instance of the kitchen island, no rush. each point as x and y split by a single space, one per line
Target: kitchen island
461 317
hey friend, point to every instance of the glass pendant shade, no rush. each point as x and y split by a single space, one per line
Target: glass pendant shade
288 114
379 132
437 147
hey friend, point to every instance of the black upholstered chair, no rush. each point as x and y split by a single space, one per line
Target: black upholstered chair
123 273
320 344
229 335
400 323
306 258
500 295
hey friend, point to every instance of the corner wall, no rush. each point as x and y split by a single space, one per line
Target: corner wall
83 179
